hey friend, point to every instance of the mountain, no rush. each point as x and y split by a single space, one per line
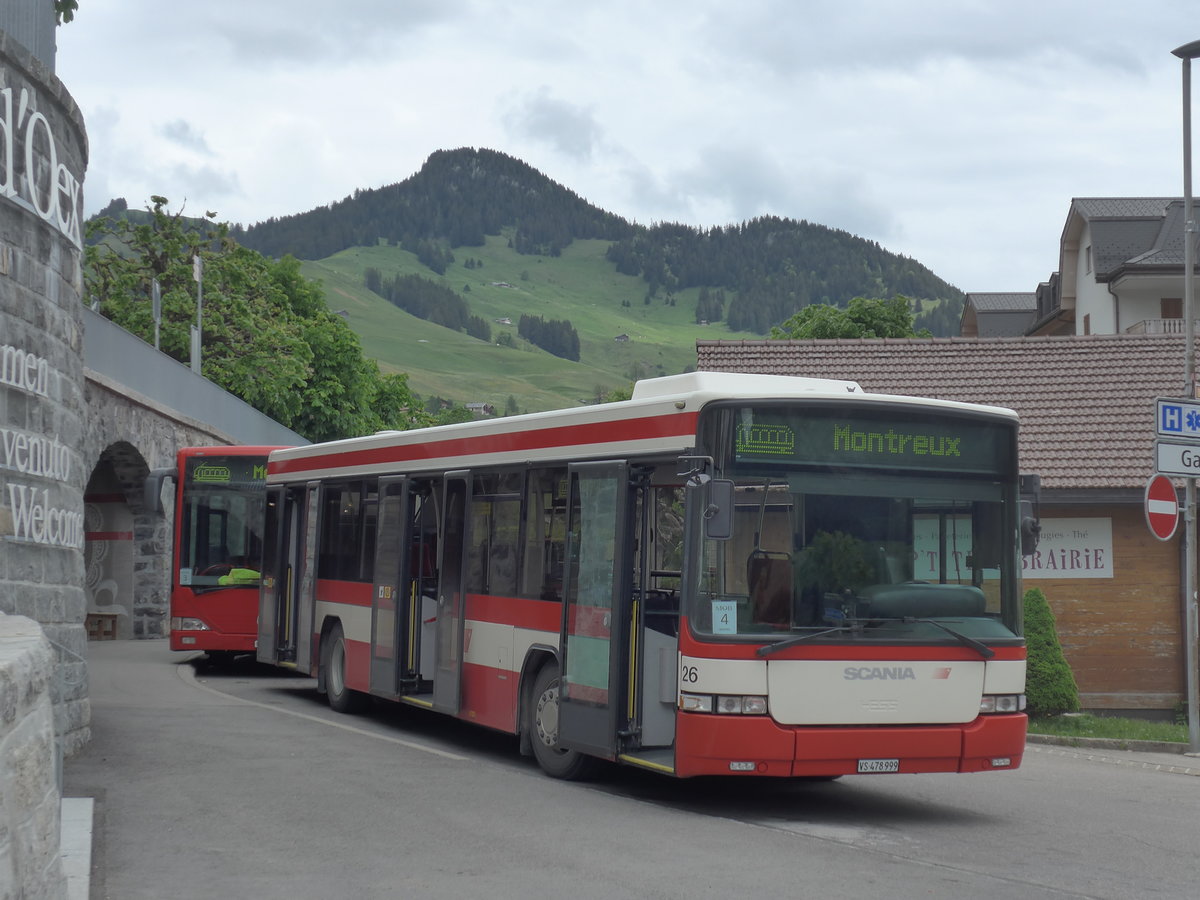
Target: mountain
485 281
458 197
766 269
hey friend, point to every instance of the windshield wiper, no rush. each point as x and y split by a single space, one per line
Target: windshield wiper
978 646
768 649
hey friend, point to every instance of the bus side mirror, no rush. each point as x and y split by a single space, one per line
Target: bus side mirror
718 511
1031 528
152 490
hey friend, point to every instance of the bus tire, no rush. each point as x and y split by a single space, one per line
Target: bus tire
542 725
333 661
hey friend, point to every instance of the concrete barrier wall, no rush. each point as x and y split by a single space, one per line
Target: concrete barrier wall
30 863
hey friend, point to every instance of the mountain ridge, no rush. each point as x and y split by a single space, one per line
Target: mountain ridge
771 266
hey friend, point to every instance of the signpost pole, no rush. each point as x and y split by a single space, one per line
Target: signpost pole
1186 53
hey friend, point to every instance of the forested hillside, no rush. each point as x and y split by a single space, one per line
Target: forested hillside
767 268
458 197
773 267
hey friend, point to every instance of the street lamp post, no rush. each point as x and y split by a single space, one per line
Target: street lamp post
1187 53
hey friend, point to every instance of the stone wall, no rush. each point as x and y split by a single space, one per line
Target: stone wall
30 864
43 155
127 436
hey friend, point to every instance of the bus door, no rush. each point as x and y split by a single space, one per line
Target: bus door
391 598
597 593
451 599
274 586
654 654
289 571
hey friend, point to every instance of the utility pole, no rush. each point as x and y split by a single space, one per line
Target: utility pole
197 330
1187 53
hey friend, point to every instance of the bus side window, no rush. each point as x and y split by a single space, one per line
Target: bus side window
545 534
495 530
348 531
370 525
424 541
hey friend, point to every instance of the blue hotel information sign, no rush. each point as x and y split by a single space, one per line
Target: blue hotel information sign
1177 419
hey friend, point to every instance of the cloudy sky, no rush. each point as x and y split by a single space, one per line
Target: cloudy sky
953 131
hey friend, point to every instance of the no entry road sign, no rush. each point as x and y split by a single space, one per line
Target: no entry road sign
1162 507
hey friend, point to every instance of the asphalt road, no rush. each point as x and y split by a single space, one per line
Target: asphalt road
240 782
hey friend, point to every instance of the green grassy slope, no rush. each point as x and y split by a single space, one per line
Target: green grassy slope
581 286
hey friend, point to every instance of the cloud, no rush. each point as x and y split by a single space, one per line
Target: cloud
182 133
313 32
733 183
568 128
826 36
205 183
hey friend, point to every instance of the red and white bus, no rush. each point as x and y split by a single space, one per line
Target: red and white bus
725 574
217 546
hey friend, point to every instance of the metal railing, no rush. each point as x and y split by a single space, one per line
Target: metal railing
1156 326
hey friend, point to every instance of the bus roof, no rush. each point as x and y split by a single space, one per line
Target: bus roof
660 418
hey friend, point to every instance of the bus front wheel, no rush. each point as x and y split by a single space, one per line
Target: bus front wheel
543 730
333 660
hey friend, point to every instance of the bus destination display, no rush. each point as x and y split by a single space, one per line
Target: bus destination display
816 437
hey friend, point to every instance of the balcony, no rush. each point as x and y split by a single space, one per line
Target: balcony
1156 326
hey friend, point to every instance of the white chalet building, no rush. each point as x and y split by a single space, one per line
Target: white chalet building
1120 272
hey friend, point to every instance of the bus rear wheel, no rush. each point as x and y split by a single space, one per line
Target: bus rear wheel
542 724
333 661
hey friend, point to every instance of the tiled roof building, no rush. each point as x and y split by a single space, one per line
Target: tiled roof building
1120 269
1086 403
998 315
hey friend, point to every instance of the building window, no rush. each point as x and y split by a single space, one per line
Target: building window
1087 258
1087 324
1171 308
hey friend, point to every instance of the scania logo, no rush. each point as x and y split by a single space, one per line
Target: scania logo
879 673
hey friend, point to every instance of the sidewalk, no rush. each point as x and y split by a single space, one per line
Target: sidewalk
75 843
1154 755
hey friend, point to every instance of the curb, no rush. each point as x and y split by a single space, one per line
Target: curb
1109 743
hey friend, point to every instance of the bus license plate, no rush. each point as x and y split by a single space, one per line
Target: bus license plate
868 766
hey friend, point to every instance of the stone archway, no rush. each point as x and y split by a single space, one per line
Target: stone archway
108 552
125 546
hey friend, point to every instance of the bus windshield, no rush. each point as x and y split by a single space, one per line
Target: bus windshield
221 521
850 526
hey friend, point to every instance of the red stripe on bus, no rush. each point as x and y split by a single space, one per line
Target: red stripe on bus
643 428
590 621
352 593
536 615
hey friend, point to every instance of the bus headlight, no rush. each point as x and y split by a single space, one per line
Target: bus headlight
725 704
187 623
701 703
1002 703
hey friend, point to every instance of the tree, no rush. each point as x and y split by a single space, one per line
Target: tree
64 11
268 336
616 395
1050 686
862 318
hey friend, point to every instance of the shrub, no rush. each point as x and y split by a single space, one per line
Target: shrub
1050 686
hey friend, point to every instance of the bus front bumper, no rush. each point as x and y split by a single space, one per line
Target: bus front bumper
756 745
